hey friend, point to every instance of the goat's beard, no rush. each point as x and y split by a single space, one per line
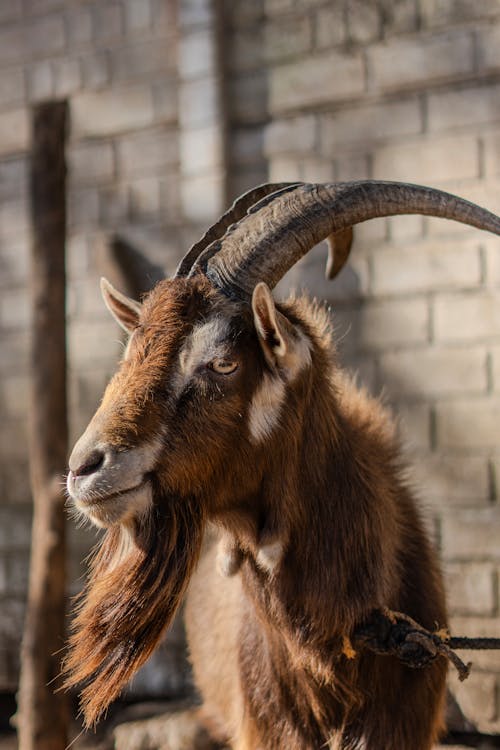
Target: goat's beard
136 583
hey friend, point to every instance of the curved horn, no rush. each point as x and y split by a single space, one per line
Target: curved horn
279 230
239 208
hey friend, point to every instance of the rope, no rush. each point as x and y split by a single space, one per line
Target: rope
389 633
474 643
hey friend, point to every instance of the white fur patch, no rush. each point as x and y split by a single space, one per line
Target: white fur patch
269 556
205 343
125 546
265 409
206 340
229 557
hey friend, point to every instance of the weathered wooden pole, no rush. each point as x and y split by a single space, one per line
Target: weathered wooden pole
42 713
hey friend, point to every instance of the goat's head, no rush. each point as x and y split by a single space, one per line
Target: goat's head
199 391
184 403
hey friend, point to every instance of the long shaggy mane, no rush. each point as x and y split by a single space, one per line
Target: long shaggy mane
137 580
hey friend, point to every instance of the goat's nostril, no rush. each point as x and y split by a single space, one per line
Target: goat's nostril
92 463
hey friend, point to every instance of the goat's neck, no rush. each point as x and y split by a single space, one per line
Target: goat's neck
327 514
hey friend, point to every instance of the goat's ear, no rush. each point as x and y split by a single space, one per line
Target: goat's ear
270 324
124 310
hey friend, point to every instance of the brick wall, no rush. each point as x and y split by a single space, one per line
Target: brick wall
410 91
178 107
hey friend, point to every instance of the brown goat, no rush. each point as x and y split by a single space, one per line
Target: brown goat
231 410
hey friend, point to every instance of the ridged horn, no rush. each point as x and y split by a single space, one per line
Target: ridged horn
283 227
239 208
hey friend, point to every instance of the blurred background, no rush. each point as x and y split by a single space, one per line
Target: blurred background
175 108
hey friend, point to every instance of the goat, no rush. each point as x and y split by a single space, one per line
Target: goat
230 411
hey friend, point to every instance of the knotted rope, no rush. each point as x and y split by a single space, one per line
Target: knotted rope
394 633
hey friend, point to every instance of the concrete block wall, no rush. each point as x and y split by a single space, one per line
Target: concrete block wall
410 91
246 94
201 114
116 62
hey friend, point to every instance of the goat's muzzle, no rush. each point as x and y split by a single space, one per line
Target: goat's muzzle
110 485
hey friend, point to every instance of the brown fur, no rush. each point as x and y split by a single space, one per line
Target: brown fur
356 543
267 648
134 590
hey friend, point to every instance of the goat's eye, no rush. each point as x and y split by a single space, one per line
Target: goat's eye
223 366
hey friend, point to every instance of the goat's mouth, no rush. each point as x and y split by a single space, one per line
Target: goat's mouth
120 506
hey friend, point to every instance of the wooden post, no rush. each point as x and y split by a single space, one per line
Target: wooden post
42 715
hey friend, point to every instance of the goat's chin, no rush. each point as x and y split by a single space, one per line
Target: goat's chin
126 508
138 577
